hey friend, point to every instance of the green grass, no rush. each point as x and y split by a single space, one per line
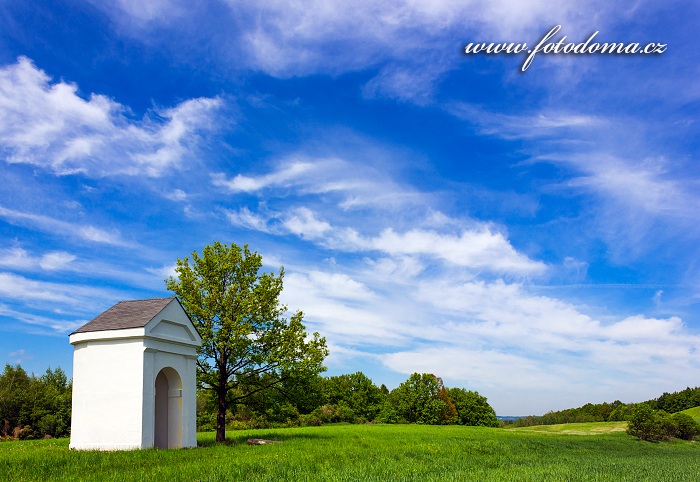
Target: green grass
591 428
693 412
373 453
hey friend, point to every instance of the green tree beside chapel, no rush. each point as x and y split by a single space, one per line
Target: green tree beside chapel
248 343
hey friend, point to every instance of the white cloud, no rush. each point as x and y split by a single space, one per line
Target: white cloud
643 184
635 198
304 223
18 258
58 306
247 219
410 43
164 272
479 248
63 228
330 305
301 37
56 260
176 195
351 181
148 11
408 83
397 267
51 323
18 287
289 173
49 125
523 350
18 356
542 124
657 297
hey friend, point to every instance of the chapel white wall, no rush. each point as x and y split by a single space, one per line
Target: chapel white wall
107 395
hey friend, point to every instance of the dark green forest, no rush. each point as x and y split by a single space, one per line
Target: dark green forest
34 407
354 398
40 406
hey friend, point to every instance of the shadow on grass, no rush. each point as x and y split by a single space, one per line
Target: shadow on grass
276 436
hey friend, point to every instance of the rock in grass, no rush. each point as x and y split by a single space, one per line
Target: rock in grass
260 441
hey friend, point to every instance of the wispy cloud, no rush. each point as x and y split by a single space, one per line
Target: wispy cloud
49 324
18 287
545 124
53 306
637 188
18 258
57 227
49 125
480 247
353 183
411 45
18 356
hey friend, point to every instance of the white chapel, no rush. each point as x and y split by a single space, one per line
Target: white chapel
134 378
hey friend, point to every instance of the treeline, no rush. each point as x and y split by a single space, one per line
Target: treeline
34 407
354 398
677 401
615 411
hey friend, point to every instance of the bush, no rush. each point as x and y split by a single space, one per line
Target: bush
47 425
335 413
310 420
685 426
648 424
645 423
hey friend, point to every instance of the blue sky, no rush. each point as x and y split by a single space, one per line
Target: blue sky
530 235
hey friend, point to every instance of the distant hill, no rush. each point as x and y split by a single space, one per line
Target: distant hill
693 412
508 418
687 401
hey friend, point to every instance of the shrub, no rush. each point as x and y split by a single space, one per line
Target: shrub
648 424
47 425
310 420
645 423
685 426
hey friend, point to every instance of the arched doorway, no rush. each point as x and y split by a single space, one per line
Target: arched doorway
167 431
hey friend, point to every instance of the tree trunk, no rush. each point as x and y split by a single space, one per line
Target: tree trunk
221 412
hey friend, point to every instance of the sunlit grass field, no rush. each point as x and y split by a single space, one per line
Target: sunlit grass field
693 412
585 452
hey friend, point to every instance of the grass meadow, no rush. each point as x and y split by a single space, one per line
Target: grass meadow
693 412
573 452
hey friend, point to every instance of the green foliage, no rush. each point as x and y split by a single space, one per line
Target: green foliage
646 423
601 412
616 411
472 408
248 345
419 400
355 391
34 407
677 401
653 425
353 398
685 426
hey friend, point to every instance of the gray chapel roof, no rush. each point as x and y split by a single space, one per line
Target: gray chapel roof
127 314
